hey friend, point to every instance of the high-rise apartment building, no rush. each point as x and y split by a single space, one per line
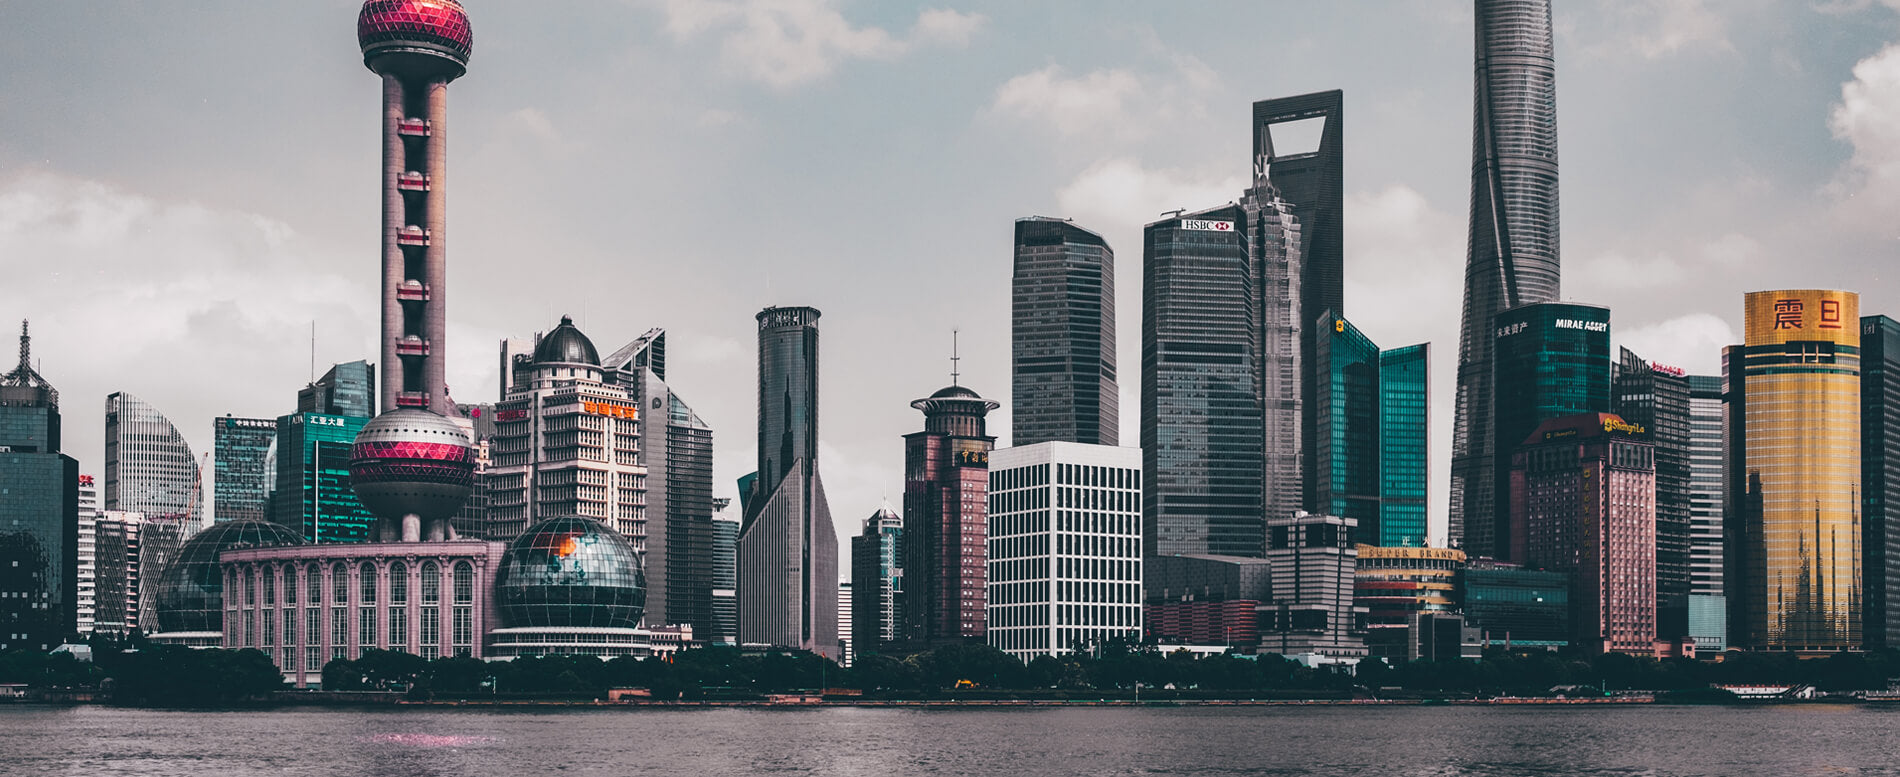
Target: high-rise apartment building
1794 467
1880 481
1065 551
1062 335
241 477
1313 613
1708 607
788 549
877 581
1583 503
313 494
1370 423
39 513
1201 418
347 389
946 478
1512 253
567 442
1549 360
1656 397
85 556
677 449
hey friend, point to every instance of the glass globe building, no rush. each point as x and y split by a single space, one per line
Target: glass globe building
571 572
191 589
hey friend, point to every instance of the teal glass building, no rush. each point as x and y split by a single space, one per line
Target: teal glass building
1368 457
39 514
313 478
1551 359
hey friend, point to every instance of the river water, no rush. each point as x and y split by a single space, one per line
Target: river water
1410 741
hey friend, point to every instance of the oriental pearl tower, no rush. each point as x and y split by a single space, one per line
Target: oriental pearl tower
411 465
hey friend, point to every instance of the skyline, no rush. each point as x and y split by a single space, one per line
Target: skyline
208 192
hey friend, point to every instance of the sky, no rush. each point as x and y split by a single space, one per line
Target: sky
186 187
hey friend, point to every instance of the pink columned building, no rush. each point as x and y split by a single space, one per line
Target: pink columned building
946 519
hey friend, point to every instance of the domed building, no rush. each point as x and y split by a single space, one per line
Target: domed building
190 591
572 586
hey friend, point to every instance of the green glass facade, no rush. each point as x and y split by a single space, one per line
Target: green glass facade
1368 457
313 478
1525 607
1402 448
1551 360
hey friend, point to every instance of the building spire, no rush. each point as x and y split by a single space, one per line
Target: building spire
26 347
954 358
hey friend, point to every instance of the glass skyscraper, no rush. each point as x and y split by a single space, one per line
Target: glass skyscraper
1794 463
1656 397
1880 480
1062 335
1512 250
877 581
241 480
1708 609
1368 458
1551 360
39 514
149 467
1201 424
313 493
1403 425
348 389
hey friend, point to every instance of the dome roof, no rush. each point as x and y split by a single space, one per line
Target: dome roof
566 345
191 587
412 461
571 572
954 391
429 33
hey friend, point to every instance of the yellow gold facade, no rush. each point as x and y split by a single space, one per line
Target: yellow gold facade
1800 562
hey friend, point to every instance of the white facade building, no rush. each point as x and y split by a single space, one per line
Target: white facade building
1064 547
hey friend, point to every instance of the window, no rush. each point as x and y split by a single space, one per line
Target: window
398 583
313 584
339 584
464 583
367 593
365 627
431 583
399 628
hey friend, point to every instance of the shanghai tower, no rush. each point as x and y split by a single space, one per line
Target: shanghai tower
1511 256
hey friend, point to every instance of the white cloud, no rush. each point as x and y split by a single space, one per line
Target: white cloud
785 43
1121 193
1655 29
1114 103
1693 342
1868 119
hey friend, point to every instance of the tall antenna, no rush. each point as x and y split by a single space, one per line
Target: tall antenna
313 351
954 358
26 347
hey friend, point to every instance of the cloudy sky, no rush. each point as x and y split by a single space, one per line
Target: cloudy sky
185 187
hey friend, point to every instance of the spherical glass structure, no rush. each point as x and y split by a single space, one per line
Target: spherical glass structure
571 572
191 588
410 461
416 31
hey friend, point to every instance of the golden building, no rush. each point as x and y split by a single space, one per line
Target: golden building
1794 472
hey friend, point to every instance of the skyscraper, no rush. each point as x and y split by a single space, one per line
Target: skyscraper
1708 605
1369 415
1549 360
39 513
1656 397
1062 335
677 449
241 479
1880 479
347 389
1314 560
1404 471
149 467
1281 344
313 494
877 581
788 549
946 478
1511 257
725 593
1201 416
1794 468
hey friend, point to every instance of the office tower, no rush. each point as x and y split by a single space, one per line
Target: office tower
1880 481
946 477
478 420
1395 584
347 389
418 47
567 442
1062 335
1312 613
788 549
1794 466
1280 344
677 449
1584 504
1708 606
1065 552
1656 397
241 480
1403 431
1343 455
877 581
1517 607
313 494
1549 360
1511 257
725 593
1201 415
149 466
39 513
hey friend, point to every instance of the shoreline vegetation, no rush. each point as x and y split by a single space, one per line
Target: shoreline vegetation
135 672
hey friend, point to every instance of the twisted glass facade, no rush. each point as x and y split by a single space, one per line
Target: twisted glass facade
1512 250
1062 335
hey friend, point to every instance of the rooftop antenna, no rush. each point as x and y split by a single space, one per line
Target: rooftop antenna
313 352
954 358
26 347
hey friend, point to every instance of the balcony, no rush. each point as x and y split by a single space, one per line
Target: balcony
413 181
412 399
412 346
415 128
413 235
412 290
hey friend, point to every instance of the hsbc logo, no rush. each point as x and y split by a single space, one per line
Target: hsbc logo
1207 226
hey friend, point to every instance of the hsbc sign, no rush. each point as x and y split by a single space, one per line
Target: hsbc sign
1207 226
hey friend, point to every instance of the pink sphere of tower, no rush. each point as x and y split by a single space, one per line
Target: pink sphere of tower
413 469
415 34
